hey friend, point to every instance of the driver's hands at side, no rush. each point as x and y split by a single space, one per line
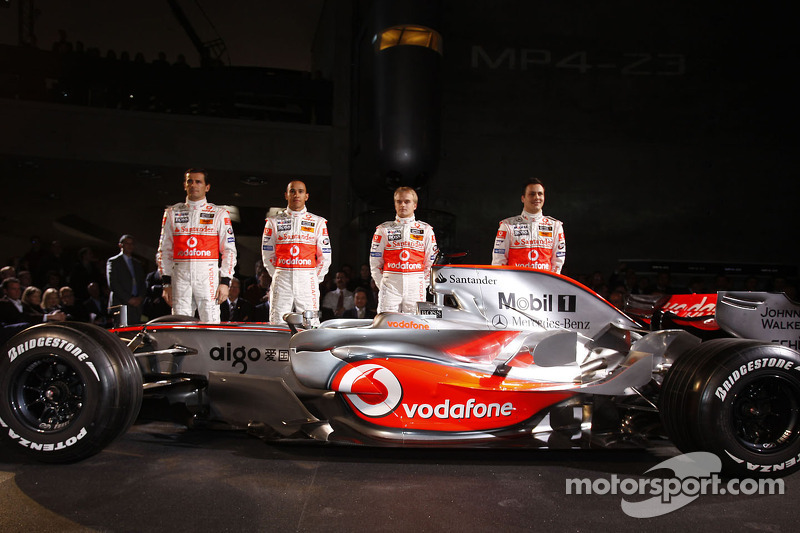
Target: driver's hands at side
222 293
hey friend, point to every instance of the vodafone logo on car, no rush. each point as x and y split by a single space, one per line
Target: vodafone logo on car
375 391
372 389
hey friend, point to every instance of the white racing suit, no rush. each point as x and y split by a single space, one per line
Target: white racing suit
194 235
296 250
401 256
532 241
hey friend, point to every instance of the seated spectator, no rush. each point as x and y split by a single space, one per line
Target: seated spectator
13 313
51 300
52 280
7 272
359 309
235 309
339 299
32 301
363 279
74 310
154 305
25 279
256 289
97 306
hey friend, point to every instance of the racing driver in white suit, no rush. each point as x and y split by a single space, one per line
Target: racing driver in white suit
531 239
197 252
296 251
401 256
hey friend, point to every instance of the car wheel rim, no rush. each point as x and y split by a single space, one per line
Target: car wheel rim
766 414
48 394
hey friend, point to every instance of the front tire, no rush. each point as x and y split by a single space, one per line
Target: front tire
67 390
738 399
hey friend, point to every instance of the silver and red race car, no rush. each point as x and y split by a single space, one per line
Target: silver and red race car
502 357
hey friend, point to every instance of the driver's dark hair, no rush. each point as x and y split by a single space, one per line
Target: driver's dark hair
202 171
9 281
532 181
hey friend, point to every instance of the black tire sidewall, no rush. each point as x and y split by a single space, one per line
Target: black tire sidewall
96 423
715 426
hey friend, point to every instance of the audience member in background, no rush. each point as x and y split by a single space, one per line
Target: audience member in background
74 310
154 305
13 316
126 280
363 279
359 309
7 272
84 272
25 279
51 300
617 299
339 299
52 280
257 288
32 301
97 306
54 260
235 308
32 258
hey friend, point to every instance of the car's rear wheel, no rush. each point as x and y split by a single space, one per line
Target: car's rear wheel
67 390
738 399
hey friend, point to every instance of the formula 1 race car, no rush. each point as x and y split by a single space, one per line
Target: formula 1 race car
503 356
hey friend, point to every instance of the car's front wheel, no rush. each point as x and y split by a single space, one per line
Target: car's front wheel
67 390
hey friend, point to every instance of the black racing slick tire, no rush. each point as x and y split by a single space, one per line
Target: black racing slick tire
67 390
738 399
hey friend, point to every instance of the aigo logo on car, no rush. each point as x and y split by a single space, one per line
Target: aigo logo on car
422 395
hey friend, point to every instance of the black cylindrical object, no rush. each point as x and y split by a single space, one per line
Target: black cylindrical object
407 81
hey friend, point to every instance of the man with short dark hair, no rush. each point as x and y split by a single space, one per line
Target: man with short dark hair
339 299
126 280
236 308
359 309
296 251
13 317
197 251
531 239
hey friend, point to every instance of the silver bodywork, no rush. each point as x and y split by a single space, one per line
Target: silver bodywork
577 370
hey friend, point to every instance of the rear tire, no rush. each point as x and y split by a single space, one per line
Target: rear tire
68 390
739 399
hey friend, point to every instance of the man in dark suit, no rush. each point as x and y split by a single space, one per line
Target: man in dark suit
236 309
97 306
360 310
15 318
125 276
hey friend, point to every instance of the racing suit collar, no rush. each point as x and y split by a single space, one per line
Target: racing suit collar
531 216
296 213
196 203
406 220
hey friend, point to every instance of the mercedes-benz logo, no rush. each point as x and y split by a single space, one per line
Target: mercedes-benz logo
499 321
